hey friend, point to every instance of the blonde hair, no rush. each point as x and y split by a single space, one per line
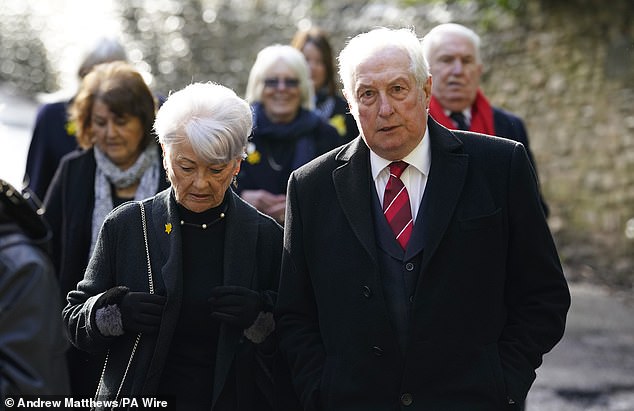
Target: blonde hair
269 57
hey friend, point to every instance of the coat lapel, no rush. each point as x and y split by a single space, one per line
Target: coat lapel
165 250
239 268
353 187
446 179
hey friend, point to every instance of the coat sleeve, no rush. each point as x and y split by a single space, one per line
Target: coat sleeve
296 310
79 313
32 341
537 295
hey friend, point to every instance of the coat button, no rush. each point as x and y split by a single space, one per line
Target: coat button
407 399
378 351
409 266
367 293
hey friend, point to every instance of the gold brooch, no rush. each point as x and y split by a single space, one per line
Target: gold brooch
168 228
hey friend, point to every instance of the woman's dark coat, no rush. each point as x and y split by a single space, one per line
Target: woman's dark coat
253 247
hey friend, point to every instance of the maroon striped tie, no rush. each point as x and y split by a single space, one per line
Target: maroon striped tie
396 207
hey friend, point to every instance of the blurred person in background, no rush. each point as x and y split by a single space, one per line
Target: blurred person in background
205 308
455 62
287 132
329 104
32 339
120 161
54 133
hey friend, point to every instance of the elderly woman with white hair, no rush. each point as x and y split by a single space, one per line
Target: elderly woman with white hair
181 286
287 132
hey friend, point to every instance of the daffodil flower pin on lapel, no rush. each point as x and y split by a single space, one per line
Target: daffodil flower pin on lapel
168 228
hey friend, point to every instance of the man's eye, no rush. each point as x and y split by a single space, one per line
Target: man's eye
366 95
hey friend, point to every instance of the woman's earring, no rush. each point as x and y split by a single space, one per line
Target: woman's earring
234 182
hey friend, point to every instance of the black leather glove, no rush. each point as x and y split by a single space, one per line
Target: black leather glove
235 305
141 312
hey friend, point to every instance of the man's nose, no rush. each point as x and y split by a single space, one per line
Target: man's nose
385 106
457 66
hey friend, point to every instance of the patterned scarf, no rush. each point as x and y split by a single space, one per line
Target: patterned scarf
481 115
145 170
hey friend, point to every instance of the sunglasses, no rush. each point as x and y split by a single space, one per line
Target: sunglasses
275 82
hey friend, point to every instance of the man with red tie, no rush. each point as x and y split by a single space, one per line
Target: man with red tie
418 270
453 53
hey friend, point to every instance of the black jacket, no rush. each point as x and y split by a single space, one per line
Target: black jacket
252 259
32 339
490 299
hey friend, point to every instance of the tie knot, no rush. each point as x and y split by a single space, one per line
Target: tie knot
459 118
397 167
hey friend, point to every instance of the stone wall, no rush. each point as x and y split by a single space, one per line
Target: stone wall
568 69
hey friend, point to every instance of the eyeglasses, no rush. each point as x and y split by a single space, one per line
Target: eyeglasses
275 82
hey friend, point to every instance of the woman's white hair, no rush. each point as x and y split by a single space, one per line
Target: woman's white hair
266 59
365 45
215 121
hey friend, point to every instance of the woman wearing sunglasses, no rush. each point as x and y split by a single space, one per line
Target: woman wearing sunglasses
287 132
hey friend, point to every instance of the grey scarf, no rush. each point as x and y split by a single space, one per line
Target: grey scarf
145 170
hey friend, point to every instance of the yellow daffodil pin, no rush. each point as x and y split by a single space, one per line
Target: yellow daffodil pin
168 228
71 128
339 122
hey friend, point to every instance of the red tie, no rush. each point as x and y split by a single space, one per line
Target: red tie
396 206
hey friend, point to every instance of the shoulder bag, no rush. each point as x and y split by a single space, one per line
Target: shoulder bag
138 337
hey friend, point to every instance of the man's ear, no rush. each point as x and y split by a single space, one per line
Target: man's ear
348 101
427 91
164 157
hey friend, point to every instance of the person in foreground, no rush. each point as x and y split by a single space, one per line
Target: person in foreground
32 340
455 63
439 286
203 316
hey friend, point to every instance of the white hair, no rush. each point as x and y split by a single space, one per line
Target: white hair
211 117
364 45
266 59
435 37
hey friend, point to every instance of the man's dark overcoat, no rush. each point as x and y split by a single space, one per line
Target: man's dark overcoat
489 301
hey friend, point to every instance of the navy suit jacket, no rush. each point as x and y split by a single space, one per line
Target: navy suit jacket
490 298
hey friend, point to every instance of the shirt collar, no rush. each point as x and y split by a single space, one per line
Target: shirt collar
419 157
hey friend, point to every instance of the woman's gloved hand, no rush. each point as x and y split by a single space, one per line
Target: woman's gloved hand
235 305
141 312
